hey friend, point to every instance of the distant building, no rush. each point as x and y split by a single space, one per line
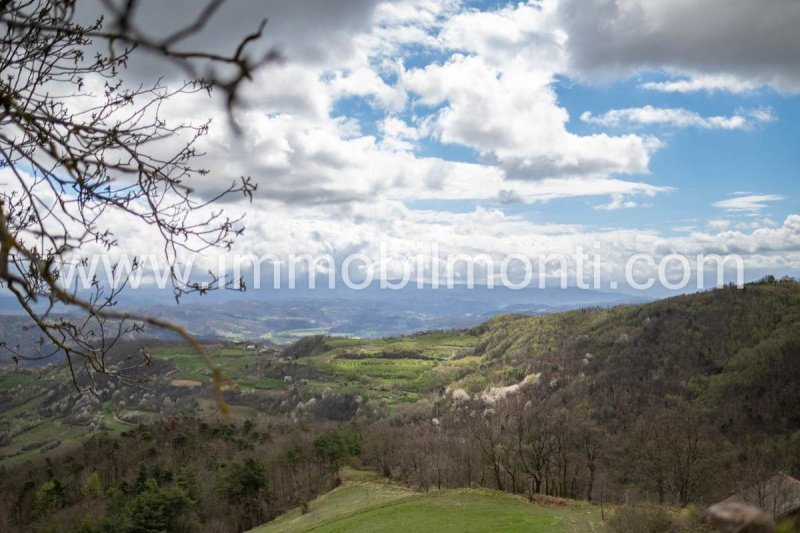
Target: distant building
779 496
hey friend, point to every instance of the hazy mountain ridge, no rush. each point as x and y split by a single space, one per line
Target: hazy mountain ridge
285 315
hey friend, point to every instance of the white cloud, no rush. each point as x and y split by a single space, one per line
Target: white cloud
275 91
529 31
396 25
684 229
751 203
335 184
719 223
678 117
618 201
702 82
755 43
304 160
496 96
511 114
408 233
365 82
398 135
343 229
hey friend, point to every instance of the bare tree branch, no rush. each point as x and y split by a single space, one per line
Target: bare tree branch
74 165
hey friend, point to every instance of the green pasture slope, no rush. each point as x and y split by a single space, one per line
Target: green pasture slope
369 504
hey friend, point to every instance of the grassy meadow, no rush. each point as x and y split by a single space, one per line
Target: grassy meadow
364 503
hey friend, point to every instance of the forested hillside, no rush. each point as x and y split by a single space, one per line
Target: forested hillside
728 346
683 400
175 475
680 401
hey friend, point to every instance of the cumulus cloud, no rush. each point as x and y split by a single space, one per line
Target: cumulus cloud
618 201
678 117
317 32
755 43
398 135
342 229
365 82
526 30
493 92
332 180
302 159
408 233
511 114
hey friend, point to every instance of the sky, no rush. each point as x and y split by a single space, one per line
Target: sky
624 126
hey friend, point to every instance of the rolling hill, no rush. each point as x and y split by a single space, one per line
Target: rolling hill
365 503
623 360
680 400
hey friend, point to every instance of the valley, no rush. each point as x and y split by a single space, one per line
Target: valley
599 392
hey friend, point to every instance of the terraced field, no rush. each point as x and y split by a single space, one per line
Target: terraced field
396 370
393 371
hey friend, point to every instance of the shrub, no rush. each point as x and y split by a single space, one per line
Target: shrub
245 480
157 508
305 347
51 495
337 446
92 486
338 407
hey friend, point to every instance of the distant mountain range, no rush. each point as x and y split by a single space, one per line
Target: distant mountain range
375 312
284 315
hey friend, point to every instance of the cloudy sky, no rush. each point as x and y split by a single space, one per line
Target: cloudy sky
633 126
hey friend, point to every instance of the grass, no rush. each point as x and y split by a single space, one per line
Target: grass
46 431
368 504
11 380
439 345
404 370
261 383
190 366
291 335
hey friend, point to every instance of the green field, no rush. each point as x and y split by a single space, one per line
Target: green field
397 370
369 504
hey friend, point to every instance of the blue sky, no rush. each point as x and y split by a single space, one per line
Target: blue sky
705 166
700 166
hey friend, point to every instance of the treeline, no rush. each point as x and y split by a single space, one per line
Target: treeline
520 445
176 475
524 444
685 400
510 446
682 401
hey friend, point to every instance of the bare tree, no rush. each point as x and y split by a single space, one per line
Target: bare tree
73 165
